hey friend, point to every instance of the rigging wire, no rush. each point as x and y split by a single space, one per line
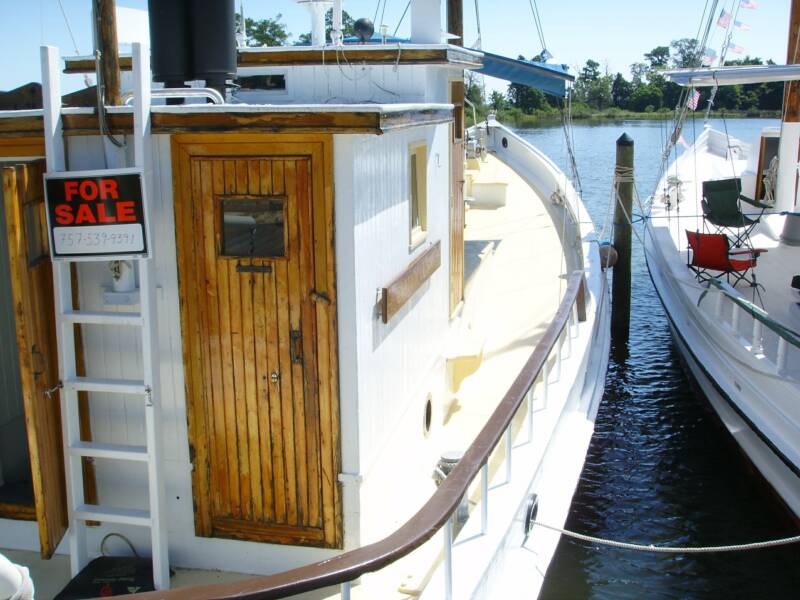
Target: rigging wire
383 12
479 42
403 16
538 21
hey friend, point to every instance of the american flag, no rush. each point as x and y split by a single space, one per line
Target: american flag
748 4
709 56
741 26
693 100
724 19
735 48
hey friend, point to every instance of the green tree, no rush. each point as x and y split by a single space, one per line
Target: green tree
621 90
658 57
646 96
591 71
685 53
638 73
264 32
348 28
497 101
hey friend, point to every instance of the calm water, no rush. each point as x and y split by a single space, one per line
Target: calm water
660 468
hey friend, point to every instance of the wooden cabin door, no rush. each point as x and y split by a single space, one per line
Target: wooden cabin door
32 291
261 436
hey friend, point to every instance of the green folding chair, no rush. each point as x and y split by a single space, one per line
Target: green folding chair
722 210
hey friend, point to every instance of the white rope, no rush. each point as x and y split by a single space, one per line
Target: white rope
673 549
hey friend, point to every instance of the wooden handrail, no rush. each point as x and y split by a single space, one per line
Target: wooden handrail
428 520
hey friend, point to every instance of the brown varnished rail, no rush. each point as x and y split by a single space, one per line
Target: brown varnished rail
430 518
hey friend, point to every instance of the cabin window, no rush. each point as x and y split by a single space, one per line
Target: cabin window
273 82
418 185
36 233
254 227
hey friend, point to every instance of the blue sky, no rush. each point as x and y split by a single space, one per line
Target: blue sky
615 33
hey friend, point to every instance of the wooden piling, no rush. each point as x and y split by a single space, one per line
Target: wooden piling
106 25
623 213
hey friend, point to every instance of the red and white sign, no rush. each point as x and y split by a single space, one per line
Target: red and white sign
96 215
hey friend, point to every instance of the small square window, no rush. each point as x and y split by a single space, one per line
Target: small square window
254 227
418 202
36 233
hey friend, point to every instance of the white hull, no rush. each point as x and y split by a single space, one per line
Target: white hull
754 398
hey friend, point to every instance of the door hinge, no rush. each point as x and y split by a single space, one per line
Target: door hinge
320 297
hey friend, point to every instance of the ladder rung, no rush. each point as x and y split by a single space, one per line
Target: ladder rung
104 514
102 317
114 386
116 451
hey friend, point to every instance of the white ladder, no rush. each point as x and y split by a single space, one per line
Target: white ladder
67 317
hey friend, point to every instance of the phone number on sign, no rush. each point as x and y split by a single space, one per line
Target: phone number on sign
96 239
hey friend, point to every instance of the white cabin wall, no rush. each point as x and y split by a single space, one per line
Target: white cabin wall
398 364
352 83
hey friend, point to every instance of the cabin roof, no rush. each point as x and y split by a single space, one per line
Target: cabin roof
290 118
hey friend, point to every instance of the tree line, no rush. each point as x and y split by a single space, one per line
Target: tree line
647 90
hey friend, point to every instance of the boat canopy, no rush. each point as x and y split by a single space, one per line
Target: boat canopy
551 79
733 75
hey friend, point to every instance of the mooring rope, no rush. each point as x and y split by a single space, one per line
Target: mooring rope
672 549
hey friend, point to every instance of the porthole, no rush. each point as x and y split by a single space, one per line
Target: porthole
427 419
505 142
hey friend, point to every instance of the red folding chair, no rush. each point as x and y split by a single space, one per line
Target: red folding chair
712 252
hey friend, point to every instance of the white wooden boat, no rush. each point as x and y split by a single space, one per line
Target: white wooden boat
319 323
742 347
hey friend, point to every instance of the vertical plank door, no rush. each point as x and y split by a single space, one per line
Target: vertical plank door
246 241
32 290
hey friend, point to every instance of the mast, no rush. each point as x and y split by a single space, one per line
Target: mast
786 196
106 36
455 19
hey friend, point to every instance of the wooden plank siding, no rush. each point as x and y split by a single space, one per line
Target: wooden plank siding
259 350
457 206
229 121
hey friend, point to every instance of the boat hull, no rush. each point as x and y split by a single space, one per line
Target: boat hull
724 393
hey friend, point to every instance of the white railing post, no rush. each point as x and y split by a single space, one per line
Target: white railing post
782 354
757 346
448 559
345 593
735 319
530 411
508 453
545 377
485 499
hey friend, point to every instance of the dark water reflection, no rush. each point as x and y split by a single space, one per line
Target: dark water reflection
660 468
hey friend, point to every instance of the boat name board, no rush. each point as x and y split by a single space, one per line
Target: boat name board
96 215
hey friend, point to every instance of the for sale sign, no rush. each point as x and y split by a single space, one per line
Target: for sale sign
96 215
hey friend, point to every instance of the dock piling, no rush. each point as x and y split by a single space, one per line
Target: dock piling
623 212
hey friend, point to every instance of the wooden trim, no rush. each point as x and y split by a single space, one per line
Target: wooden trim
427 521
396 294
21 146
301 121
388 55
17 512
21 127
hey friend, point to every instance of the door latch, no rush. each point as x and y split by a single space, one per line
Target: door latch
274 377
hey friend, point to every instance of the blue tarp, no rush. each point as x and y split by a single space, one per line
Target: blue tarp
551 79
